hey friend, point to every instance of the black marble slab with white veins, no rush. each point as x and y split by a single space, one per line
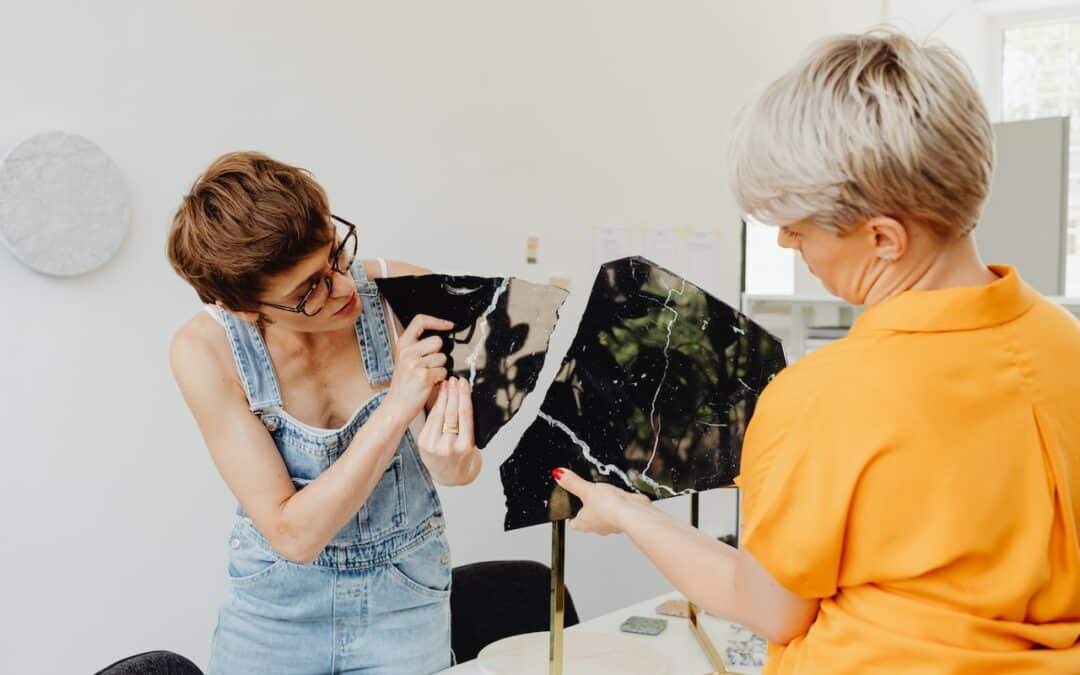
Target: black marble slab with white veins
654 395
502 326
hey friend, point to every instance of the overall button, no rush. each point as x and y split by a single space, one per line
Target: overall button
235 543
271 424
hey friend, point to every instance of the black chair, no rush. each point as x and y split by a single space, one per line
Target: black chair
153 663
497 599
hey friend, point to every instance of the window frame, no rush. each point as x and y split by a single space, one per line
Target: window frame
1003 15
998 22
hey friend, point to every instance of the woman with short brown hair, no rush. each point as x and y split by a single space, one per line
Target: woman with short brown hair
305 393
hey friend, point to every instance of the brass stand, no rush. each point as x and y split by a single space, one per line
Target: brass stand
558 596
703 639
738 514
558 601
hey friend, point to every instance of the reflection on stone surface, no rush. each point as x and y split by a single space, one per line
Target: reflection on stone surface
654 395
501 330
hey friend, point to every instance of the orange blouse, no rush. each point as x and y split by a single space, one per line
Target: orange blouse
922 477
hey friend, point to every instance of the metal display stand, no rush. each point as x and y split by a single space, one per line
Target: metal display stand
558 596
703 639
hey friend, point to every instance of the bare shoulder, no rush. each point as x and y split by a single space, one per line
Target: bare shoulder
394 268
199 354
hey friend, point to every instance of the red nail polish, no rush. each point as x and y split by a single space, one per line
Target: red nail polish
557 473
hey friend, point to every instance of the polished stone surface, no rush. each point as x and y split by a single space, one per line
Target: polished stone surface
743 648
653 396
64 206
502 326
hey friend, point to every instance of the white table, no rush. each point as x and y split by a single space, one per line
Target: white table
676 643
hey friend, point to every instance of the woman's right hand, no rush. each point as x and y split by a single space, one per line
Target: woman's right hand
419 365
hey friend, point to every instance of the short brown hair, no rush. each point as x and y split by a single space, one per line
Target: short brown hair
867 125
246 218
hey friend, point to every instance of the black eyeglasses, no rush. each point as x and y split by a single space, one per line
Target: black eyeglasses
342 256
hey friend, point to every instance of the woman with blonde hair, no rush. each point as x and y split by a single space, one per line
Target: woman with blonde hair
911 493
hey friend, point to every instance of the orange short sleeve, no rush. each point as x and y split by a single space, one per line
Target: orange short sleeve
799 473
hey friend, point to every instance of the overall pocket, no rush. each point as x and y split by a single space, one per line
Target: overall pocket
384 513
425 570
249 560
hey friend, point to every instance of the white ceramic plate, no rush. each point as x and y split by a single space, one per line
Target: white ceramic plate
584 654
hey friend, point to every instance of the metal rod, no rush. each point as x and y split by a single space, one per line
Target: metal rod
707 646
738 515
558 596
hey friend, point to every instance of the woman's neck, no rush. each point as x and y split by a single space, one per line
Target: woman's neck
930 266
286 341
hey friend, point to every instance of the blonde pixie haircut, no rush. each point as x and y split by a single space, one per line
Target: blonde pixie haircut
867 125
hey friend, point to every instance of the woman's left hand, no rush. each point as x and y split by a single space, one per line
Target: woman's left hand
605 508
447 443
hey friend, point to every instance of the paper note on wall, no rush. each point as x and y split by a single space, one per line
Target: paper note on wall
688 251
610 242
704 266
666 246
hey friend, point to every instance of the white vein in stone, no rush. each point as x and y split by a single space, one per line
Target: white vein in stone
606 469
482 322
667 365
586 451
744 384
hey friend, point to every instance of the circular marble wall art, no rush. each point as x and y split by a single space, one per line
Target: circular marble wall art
64 208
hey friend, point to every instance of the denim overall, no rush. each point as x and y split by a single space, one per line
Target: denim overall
376 599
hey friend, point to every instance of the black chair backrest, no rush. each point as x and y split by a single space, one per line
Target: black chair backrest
153 663
497 599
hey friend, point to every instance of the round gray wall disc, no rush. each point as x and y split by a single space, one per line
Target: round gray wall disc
64 208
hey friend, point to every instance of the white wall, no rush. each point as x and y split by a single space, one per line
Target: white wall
963 25
449 131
